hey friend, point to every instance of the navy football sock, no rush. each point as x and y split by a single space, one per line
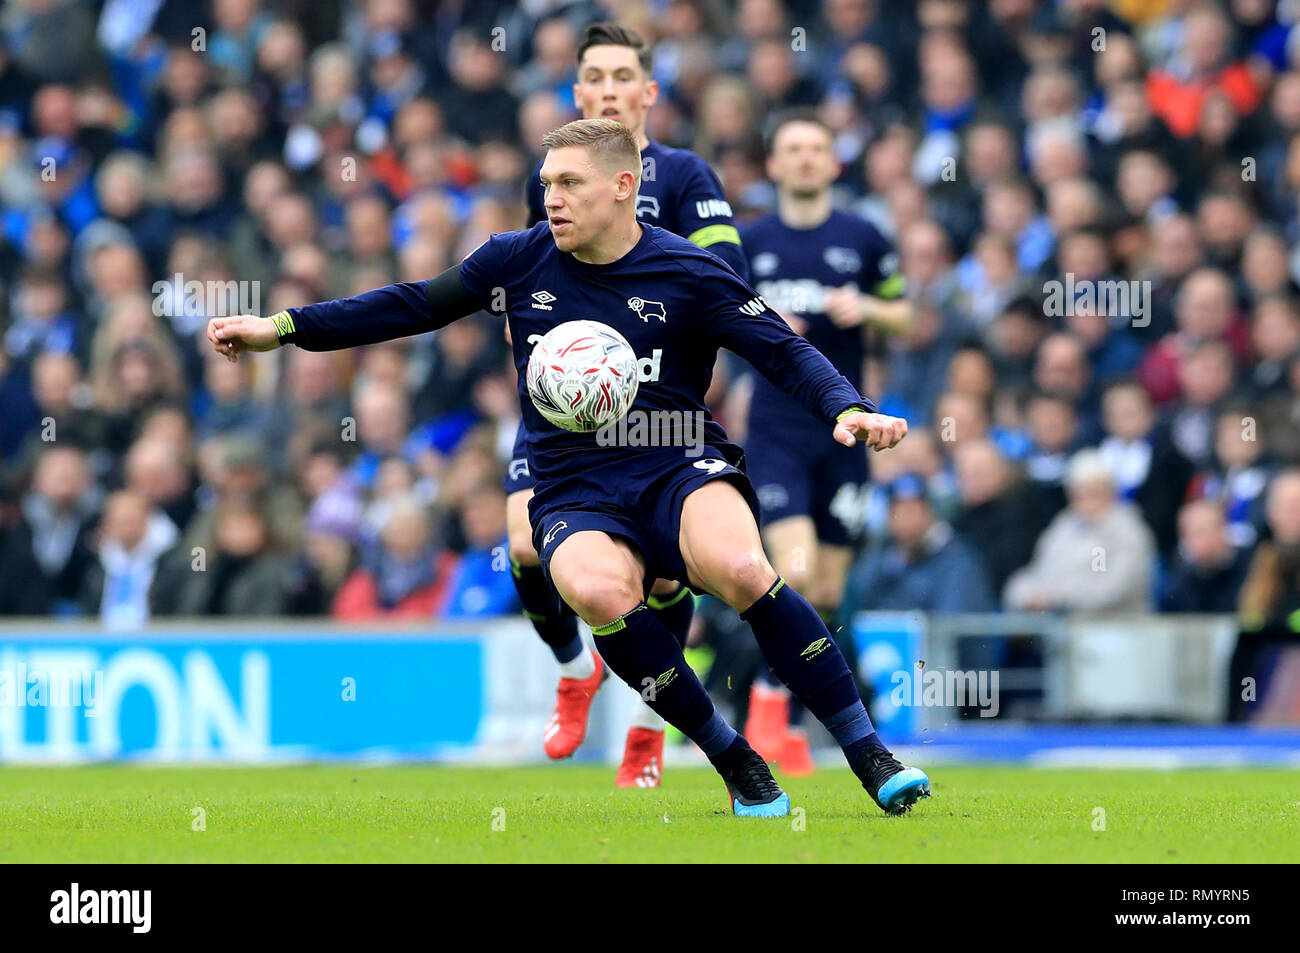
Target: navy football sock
554 622
803 654
642 652
675 612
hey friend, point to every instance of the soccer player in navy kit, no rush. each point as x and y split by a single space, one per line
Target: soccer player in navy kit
833 278
678 192
609 519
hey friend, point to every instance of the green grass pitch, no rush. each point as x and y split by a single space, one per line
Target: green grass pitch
417 813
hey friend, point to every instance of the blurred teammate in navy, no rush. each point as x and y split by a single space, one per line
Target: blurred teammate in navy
678 192
833 278
608 520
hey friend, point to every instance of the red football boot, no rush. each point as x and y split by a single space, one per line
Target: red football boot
643 759
568 723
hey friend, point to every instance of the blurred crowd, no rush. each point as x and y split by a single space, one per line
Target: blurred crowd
1067 456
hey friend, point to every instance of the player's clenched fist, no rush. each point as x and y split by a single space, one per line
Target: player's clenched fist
878 431
244 332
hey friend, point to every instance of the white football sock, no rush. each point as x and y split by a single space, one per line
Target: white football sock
583 665
647 717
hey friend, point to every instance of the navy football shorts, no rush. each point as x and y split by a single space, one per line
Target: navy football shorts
822 479
639 501
518 472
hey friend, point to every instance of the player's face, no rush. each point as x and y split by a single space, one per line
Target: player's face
580 196
611 85
802 161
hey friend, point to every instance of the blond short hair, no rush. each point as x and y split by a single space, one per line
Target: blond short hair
608 140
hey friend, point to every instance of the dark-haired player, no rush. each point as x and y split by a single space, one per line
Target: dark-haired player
833 277
609 519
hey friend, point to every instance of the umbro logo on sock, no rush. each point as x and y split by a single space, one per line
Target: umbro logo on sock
816 648
666 679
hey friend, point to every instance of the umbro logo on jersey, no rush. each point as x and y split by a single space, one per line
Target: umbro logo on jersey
753 307
647 205
542 300
711 208
645 310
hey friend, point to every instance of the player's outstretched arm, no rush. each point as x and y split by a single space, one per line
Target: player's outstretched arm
393 311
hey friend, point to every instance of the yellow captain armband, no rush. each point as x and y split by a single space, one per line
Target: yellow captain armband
891 289
283 322
713 234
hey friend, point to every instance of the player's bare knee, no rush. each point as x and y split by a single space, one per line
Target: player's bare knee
601 597
747 577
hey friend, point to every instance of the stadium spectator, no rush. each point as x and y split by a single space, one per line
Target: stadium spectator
1000 517
58 514
1208 571
1052 429
1207 377
1205 310
235 470
1095 556
132 538
1202 66
922 565
156 468
1147 468
1275 334
1280 417
1238 474
482 585
404 575
235 569
62 397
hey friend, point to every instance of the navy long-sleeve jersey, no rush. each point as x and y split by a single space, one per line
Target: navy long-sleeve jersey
689 304
679 192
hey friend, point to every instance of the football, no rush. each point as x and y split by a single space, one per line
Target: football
582 375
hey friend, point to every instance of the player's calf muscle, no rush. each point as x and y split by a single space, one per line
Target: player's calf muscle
832 570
